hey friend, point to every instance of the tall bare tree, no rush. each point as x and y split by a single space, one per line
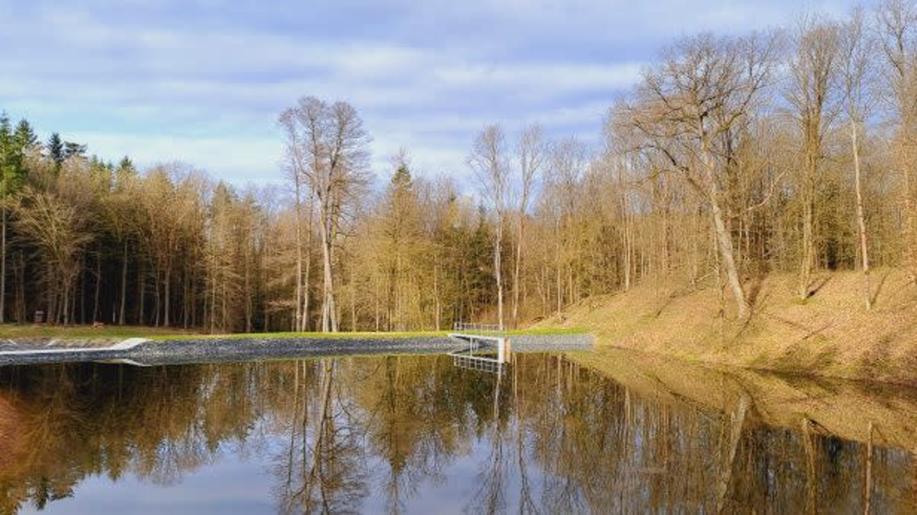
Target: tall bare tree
857 73
565 179
59 229
531 155
705 87
897 28
488 160
813 69
327 144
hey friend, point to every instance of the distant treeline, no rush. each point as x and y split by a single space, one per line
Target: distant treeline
791 151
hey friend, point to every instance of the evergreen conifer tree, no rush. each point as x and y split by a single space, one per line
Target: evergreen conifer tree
56 149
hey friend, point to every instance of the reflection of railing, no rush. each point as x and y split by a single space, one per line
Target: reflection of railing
469 326
479 363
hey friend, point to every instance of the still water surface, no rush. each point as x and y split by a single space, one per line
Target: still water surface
410 434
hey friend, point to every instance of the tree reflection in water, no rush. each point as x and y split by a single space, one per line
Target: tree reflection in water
358 433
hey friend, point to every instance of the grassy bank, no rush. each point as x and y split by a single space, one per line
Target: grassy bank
829 334
84 332
359 335
107 333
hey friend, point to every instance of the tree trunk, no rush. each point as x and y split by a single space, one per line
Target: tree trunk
498 269
21 315
437 302
298 316
724 241
861 219
141 291
192 302
123 307
390 300
517 266
558 280
81 284
304 322
3 267
157 306
627 229
353 303
628 254
808 243
909 243
248 293
329 320
213 302
224 310
167 291
98 289
378 308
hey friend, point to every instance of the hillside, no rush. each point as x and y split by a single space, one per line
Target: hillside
830 334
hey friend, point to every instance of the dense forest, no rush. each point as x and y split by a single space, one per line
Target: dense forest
791 151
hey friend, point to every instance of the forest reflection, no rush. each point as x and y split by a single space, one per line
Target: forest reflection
380 433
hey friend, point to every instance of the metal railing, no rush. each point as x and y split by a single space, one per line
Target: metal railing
470 326
478 363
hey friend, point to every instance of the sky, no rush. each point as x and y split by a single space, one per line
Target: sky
203 81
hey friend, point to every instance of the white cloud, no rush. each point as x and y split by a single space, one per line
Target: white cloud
203 83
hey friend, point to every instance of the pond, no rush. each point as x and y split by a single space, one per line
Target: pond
547 433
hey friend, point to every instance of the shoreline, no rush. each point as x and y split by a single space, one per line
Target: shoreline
206 349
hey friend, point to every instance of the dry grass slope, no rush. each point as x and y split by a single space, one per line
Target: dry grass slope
829 334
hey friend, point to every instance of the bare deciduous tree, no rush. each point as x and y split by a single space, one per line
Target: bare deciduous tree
327 144
531 154
857 80
488 160
705 87
58 229
813 70
897 27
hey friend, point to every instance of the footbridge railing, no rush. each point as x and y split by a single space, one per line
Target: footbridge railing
471 326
